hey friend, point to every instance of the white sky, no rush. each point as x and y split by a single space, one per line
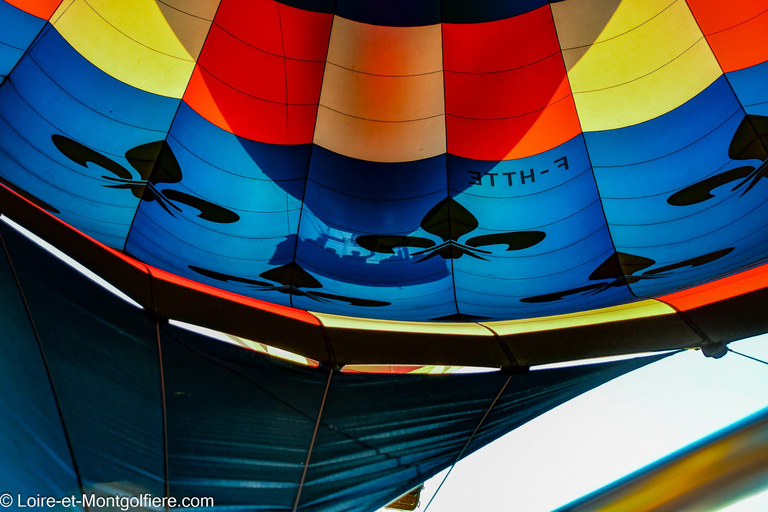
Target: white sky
610 432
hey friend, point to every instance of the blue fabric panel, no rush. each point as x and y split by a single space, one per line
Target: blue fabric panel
240 434
54 91
349 240
327 6
260 184
425 440
378 436
651 179
395 13
479 11
533 227
17 31
238 423
750 87
401 13
31 432
103 359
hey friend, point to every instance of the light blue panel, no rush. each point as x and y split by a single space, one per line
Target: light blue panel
54 92
17 31
538 229
361 234
254 193
751 88
667 187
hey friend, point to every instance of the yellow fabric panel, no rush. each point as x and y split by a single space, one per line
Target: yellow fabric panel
631 311
632 62
370 324
128 39
383 96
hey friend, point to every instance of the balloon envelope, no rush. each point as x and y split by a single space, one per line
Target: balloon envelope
406 161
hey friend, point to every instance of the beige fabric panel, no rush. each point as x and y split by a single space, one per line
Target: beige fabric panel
190 20
383 94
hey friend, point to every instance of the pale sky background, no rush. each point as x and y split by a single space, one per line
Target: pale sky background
608 433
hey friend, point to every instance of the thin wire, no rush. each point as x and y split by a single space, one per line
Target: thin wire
165 415
469 441
312 443
748 357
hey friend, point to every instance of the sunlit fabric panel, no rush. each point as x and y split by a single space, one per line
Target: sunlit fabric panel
18 29
224 209
387 258
79 142
632 61
525 106
528 236
683 193
134 42
260 72
28 400
737 32
382 98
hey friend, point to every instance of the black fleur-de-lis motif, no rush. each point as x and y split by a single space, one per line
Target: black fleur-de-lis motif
750 142
156 165
621 269
449 221
290 279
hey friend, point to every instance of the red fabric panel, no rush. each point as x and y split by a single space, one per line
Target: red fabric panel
260 71
725 288
506 88
737 32
41 8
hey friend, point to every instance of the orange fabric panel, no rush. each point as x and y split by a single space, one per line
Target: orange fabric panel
725 288
260 72
737 32
40 8
382 97
506 90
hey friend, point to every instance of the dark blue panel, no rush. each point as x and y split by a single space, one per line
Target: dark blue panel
364 243
478 11
102 356
242 433
326 6
532 227
395 13
259 185
31 431
750 86
54 92
238 423
683 199
17 31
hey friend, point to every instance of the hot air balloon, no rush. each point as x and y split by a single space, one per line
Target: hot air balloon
498 184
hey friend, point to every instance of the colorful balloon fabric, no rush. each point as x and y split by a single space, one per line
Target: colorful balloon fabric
429 160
